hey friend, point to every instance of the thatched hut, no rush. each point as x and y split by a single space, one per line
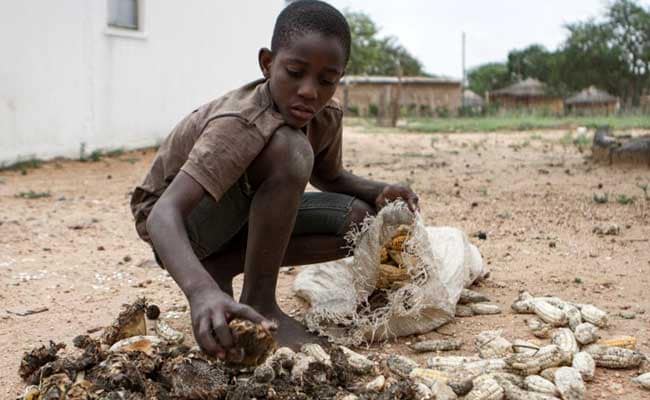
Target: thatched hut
592 101
472 101
529 95
426 96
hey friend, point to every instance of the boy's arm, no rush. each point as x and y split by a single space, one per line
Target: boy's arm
372 192
209 306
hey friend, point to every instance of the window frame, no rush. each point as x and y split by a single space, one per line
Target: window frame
139 33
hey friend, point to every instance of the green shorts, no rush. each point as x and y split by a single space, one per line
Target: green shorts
211 225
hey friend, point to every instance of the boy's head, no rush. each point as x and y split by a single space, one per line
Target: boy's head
309 51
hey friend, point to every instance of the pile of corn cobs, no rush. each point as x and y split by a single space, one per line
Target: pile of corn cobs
128 364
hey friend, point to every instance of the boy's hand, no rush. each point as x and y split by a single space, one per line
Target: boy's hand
394 192
211 310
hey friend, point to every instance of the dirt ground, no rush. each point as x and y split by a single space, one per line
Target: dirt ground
77 254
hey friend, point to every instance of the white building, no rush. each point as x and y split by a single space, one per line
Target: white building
107 74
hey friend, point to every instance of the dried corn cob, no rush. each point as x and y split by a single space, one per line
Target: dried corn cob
377 384
569 383
594 315
358 363
450 363
572 313
512 392
536 383
485 388
626 342
564 339
400 365
643 381
522 307
546 357
468 296
549 313
538 327
586 333
585 364
491 344
522 346
436 345
549 373
464 311
485 309
383 256
397 243
316 351
396 256
440 391
614 357
423 392
428 376
390 275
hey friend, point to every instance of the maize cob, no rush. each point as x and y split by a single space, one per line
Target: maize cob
549 373
264 373
643 381
538 327
522 346
461 383
383 256
546 357
316 351
400 365
377 384
569 383
614 357
428 376
449 363
396 256
468 296
594 315
300 366
485 388
422 392
509 377
440 391
397 242
350 397
522 307
436 345
491 344
167 333
464 311
585 364
564 339
573 315
31 393
549 313
485 309
390 275
358 363
486 366
512 392
586 333
626 342
536 383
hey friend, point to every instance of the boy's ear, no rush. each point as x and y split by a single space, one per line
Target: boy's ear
265 59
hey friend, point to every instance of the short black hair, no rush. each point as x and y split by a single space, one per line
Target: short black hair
306 16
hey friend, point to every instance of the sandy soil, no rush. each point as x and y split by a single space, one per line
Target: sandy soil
76 252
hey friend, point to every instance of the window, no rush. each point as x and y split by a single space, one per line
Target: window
123 14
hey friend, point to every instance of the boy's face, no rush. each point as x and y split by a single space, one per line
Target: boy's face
303 76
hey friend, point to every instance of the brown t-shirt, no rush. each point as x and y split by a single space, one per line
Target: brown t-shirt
216 143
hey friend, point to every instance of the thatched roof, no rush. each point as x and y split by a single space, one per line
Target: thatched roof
591 95
471 99
527 88
352 79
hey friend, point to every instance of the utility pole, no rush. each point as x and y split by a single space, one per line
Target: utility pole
464 82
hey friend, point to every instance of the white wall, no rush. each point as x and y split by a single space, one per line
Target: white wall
64 81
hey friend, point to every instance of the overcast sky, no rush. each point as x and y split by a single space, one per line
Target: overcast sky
431 29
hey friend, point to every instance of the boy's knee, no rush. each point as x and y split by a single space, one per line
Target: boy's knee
289 157
358 212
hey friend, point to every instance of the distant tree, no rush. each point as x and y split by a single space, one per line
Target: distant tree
488 77
372 55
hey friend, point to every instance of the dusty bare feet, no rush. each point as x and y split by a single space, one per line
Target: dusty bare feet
289 333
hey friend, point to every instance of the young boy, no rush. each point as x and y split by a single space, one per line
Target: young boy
225 194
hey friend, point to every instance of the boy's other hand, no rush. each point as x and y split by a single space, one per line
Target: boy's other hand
211 310
394 192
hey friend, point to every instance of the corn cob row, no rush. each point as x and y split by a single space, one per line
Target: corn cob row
450 363
428 376
436 345
485 388
549 313
585 364
546 357
512 392
626 342
594 315
569 383
614 357
400 365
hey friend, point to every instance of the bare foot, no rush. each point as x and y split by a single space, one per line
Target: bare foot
290 333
